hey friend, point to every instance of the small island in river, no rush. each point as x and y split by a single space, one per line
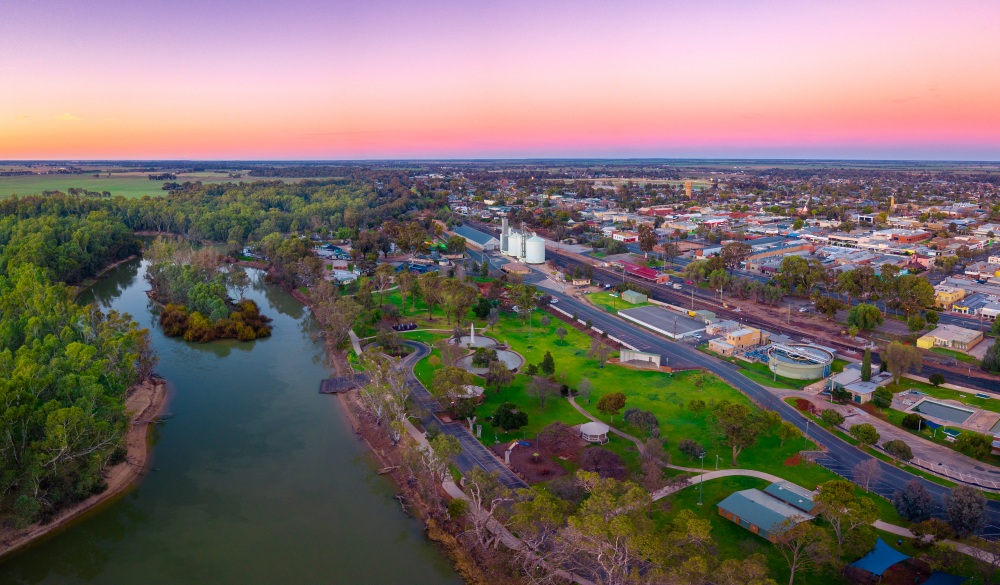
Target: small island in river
193 287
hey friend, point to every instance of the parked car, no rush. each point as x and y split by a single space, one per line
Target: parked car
553 301
677 285
803 309
688 282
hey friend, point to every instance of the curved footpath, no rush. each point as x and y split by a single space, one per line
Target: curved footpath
474 453
145 402
839 456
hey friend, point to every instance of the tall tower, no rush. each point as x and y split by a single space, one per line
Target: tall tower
892 203
687 188
503 235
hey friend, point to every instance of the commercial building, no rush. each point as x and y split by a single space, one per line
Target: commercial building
746 338
951 337
946 296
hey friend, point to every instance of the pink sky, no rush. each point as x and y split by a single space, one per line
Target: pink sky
315 79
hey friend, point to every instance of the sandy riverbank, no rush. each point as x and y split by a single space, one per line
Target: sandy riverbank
145 402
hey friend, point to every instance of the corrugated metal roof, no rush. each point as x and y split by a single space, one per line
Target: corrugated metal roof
475 235
760 509
787 491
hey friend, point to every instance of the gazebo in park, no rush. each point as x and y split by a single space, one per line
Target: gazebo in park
595 432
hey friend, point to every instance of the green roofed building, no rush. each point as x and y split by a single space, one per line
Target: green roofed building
760 513
794 495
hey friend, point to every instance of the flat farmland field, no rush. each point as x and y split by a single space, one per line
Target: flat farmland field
124 184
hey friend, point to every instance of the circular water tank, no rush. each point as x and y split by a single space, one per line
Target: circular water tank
535 251
514 244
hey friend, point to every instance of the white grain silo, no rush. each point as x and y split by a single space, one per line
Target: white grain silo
504 231
534 250
514 244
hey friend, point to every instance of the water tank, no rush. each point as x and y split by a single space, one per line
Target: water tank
535 251
514 244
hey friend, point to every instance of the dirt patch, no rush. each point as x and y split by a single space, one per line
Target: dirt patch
529 468
803 405
145 402
793 461
874 411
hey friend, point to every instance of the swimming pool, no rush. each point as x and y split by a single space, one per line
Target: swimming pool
943 411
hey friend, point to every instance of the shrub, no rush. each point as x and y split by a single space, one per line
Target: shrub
912 421
865 433
882 397
605 463
975 445
640 419
936 379
690 447
898 449
832 417
458 508
546 320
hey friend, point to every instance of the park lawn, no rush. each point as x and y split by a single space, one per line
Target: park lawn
612 304
556 408
416 314
730 540
766 380
665 395
962 357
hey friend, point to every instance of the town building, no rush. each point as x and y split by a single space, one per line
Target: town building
760 513
945 296
951 337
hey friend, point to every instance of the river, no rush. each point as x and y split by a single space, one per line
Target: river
257 478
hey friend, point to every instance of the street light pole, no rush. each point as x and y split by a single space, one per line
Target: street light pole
716 461
701 481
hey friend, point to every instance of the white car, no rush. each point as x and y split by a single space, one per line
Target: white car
553 301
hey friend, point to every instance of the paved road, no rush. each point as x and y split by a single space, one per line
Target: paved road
707 299
473 454
840 457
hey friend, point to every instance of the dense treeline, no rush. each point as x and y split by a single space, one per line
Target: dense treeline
194 285
70 248
240 212
64 374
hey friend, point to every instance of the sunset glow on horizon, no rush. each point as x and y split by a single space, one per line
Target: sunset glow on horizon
311 79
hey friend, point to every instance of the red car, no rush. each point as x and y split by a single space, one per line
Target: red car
688 282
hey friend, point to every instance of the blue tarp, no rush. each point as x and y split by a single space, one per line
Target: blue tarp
939 578
880 559
931 424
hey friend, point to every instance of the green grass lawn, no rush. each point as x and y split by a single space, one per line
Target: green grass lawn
124 184
416 313
612 304
664 395
962 357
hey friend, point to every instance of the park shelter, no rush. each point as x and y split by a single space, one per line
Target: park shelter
760 513
880 559
595 432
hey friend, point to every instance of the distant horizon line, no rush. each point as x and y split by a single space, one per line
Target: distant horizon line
499 159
